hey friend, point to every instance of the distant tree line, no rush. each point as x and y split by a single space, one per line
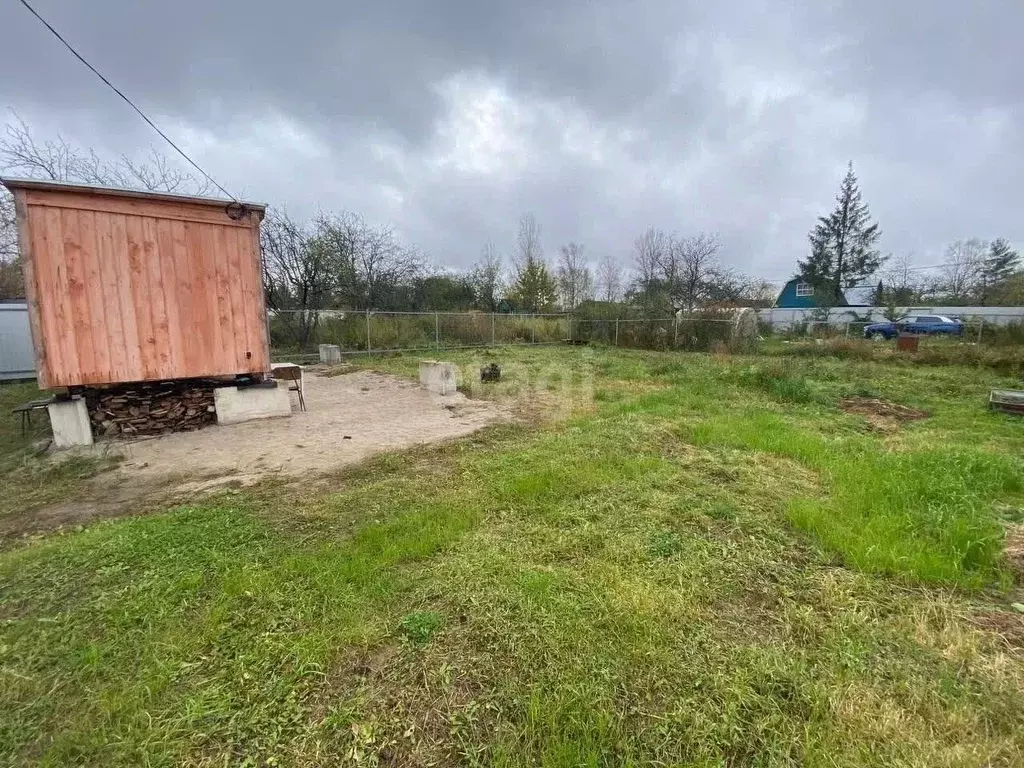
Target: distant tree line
973 272
341 261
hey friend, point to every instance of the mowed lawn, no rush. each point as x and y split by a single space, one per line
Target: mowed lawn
673 560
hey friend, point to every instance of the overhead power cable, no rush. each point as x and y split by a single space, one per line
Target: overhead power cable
128 101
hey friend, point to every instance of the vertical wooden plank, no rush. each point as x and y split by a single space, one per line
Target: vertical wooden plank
188 320
201 289
110 275
121 265
261 343
208 250
138 278
243 282
50 275
157 301
226 362
100 333
166 263
239 334
81 330
29 254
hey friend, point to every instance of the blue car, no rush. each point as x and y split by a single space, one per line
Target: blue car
915 325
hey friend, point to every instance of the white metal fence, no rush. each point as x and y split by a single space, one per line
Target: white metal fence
984 325
17 357
782 319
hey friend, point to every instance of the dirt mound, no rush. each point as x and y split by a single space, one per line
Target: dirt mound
881 414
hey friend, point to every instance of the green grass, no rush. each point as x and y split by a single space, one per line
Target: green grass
700 561
28 480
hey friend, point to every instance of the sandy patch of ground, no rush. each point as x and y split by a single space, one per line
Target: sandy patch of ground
348 418
881 414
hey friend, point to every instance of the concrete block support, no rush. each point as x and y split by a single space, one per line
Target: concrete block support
330 353
69 420
438 377
235 405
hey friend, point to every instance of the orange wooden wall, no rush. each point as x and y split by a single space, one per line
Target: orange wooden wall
133 288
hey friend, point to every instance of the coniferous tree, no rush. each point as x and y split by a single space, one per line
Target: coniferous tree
843 251
1003 261
534 289
998 267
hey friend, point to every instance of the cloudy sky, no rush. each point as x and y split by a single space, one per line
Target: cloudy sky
449 118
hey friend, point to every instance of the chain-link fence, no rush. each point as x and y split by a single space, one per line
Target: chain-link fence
662 333
298 335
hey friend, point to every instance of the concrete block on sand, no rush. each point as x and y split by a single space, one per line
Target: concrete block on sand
438 377
235 405
69 420
330 353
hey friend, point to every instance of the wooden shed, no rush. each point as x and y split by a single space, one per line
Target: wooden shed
127 286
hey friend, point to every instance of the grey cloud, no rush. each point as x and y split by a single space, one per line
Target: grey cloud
601 117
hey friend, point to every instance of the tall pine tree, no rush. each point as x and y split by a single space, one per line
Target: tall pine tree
843 251
1003 261
1000 265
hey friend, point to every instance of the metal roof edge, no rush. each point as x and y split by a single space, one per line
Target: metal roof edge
13 183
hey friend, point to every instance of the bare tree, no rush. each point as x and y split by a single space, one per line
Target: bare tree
371 267
344 234
298 272
383 264
59 160
609 279
648 255
760 293
528 241
690 268
901 283
964 266
575 281
486 279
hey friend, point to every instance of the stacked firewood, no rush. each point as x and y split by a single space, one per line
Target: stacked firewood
151 409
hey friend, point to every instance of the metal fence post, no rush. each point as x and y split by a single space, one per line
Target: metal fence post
616 331
437 333
981 327
368 347
493 337
533 328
